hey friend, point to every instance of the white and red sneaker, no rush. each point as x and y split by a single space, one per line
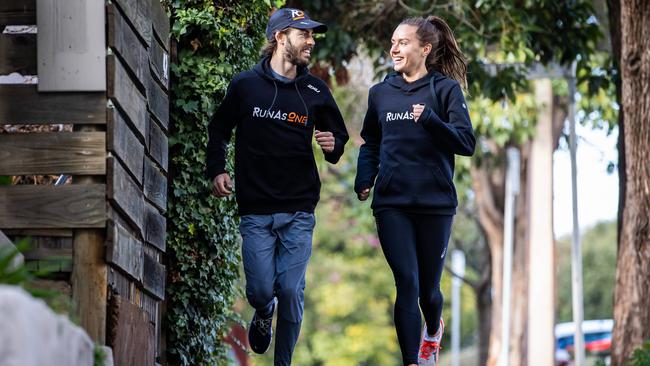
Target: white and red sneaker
430 346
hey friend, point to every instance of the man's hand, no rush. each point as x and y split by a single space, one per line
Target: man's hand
325 140
222 185
417 111
363 195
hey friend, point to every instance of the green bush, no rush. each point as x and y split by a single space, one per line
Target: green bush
215 40
16 273
13 272
641 355
99 356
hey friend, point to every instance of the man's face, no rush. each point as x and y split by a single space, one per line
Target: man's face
298 44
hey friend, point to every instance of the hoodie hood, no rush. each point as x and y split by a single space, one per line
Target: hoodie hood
263 68
396 80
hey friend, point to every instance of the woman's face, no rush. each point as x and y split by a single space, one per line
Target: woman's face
406 51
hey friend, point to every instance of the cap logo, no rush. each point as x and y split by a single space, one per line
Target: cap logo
297 15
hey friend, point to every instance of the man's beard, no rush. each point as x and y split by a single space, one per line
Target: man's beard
292 54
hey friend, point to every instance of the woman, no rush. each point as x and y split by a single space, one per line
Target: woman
416 122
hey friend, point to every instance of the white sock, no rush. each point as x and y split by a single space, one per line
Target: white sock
435 337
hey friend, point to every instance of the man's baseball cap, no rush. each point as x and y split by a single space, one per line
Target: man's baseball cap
291 18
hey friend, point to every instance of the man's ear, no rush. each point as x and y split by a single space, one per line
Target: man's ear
280 37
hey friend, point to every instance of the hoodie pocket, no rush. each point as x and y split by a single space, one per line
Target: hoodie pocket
444 184
383 179
416 186
266 178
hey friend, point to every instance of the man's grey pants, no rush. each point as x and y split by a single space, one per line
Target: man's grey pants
275 250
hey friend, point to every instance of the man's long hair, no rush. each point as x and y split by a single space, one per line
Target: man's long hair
270 46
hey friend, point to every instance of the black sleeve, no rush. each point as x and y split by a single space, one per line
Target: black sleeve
328 118
219 131
368 163
456 133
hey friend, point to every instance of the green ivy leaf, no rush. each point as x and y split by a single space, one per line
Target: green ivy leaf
202 240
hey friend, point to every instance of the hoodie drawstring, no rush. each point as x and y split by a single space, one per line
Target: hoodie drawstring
303 102
274 95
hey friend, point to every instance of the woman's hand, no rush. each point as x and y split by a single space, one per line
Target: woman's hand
417 111
364 194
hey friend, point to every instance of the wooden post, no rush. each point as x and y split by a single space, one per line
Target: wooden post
89 272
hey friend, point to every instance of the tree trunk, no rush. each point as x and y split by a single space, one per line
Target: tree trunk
614 14
490 206
632 293
488 184
484 306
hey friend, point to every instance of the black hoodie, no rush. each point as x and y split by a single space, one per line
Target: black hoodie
414 161
275 169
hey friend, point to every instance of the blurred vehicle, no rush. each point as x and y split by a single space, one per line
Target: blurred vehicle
598 340
562 357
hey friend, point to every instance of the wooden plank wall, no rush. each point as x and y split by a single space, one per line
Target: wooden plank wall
66 224
49 207
131 333
53 153
137 139
120 138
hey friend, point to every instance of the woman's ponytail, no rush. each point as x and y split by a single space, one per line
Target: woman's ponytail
449 59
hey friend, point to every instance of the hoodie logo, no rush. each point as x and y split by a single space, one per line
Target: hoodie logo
291 117
394 116
313 88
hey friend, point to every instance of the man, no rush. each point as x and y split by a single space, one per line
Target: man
276 108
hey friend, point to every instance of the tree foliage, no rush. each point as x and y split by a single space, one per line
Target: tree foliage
511 33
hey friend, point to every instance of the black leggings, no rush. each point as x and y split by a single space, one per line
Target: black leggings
415 247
